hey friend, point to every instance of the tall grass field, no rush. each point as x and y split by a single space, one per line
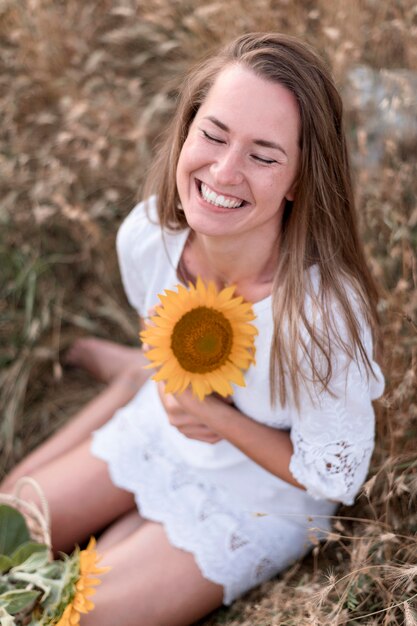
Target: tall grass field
85 91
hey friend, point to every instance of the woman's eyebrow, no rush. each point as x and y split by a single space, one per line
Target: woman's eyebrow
264 143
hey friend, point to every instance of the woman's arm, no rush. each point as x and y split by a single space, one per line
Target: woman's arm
270 448
93 415
328 450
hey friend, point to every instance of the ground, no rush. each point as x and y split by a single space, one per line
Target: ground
87 89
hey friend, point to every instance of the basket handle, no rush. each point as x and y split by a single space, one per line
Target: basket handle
31 482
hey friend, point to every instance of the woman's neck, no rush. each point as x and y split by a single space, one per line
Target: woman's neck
230 262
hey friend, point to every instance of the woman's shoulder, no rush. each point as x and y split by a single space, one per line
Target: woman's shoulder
141 221
340 320
141 233
328 299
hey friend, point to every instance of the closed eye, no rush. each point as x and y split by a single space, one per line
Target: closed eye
211 138
263 160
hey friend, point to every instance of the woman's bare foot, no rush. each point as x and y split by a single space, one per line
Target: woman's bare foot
104 360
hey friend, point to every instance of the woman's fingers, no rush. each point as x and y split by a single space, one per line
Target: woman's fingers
144 322
179 420
200 433
192 429
185 422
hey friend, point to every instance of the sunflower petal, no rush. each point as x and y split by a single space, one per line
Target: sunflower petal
220 384
200 387
226 294
157 354
234 374
169 368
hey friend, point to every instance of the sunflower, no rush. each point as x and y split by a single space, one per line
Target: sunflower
201 337
84 587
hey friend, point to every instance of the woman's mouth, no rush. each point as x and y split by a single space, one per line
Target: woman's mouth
219 200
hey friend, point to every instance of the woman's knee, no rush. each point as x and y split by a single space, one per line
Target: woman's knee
133 375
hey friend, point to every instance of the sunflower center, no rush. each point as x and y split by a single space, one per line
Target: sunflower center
202 340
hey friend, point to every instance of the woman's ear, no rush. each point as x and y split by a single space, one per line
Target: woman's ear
290 195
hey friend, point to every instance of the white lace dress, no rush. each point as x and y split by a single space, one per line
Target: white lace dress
241 523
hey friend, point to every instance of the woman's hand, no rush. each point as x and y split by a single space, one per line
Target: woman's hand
217 418
183 414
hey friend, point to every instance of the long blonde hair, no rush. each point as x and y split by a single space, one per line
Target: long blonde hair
319 227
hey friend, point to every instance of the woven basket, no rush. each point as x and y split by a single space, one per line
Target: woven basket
36 517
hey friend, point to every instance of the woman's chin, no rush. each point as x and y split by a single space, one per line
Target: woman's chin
211 220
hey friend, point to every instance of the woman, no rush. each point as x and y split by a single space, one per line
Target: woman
252 188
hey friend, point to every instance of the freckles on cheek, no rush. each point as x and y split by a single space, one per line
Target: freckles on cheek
271 185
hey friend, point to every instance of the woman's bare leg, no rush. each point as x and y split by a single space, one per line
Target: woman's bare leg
92 416
104 360
121 529
81 496
151 583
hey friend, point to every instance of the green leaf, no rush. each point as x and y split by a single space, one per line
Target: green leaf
54 570
27 550
30 581
33 563
19 600
13 530
5 563
62 589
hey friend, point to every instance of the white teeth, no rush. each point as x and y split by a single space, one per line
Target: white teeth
210 196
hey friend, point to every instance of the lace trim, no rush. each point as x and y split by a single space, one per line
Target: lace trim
235 549
334 470
334 438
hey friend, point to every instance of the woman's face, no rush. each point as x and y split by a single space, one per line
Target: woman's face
238 164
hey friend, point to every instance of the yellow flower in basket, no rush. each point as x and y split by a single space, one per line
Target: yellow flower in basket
84 587
36 589
201 337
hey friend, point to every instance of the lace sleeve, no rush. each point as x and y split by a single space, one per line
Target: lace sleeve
333 433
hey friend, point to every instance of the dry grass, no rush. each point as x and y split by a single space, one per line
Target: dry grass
85 89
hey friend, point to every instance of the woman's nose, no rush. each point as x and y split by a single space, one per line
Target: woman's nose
227 168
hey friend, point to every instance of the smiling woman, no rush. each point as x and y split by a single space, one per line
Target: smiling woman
204 498
238 165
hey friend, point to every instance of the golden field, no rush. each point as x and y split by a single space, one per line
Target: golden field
85 91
